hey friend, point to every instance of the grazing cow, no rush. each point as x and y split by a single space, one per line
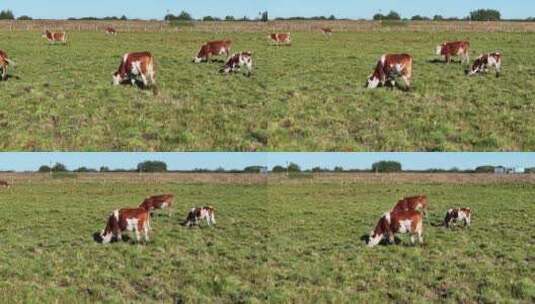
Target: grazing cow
213 48
195 215
328 32
4 184
158 202
53 37
418 202
129 219
397 222
455 48
486 61
457 215
281 38
4 63
388 68
238 60
135 65
111 31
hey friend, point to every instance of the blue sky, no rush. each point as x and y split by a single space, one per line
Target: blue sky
185 161
147 9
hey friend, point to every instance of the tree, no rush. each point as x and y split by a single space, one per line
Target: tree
338 169
44 169
419 18
253 169
485 15
7 15
59 167
386 166
229 18
485 169
378 17
393 16
84 170
317 169
124 18
152 166
183 16
24 17
332 17
264 16
208 18
278 169
104 169
438 18
292 167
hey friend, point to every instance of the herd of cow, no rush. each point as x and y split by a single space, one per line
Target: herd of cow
139 66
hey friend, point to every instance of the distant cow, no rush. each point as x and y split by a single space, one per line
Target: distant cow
158 202
4 63
486 61
134 66
213 48
128 219
454 48
195 215
4 184
326 31
111 31
238 60
53 37
418 202
281 38
457 215
388 68
397 222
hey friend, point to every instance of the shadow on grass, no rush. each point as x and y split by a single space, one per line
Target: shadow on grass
384 242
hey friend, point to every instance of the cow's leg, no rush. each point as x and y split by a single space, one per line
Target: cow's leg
498 67
145 81
407 81
138 236
4 73
119 236
146 232
420 237
213 218
448 59
413 238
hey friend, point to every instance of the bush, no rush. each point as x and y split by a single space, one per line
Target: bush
485 169
485 15
152 166
7 15
386 167
44 169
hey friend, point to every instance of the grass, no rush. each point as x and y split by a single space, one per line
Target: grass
297 242
306 97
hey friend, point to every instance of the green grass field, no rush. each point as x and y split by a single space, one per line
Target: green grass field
309 96
296 242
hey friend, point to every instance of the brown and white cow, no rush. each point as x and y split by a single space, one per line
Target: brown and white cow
195 215
158 202
486 61
213 48
388 68
457 215
418 202
53 37
134 66
111 31
392 223
281 38
328 32
454 48
127 219
4 63
4 184
238 60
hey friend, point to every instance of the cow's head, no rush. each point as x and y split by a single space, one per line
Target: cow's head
117 78
197 59
438 49
380 230
373 82
246 58
46 34
112 226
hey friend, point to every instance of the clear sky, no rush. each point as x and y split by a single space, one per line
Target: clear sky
185 161
148 9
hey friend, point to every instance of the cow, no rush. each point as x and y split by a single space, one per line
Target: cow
4 63
127 219
454 48
418 202
486 61
388 68
390 223
238 60
158 202
213 48
195 215
457 215
136 65
111 31
54 37
281 38
328 32
4 184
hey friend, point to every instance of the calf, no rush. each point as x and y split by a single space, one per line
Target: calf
158 202
195 215
134 65
213 48
111 31
4 63
397 222
486 61
457 215
53 37
390 66
238 60
418 202
4 184
281 38
129 219
328 32
454 48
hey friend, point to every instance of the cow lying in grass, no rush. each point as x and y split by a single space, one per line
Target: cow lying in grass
196 215
486 61
4 63
237 61
388 68
418 202
133 66
392 223
128 219
455 215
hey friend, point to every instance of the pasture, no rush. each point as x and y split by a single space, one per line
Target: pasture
285 241
309 96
